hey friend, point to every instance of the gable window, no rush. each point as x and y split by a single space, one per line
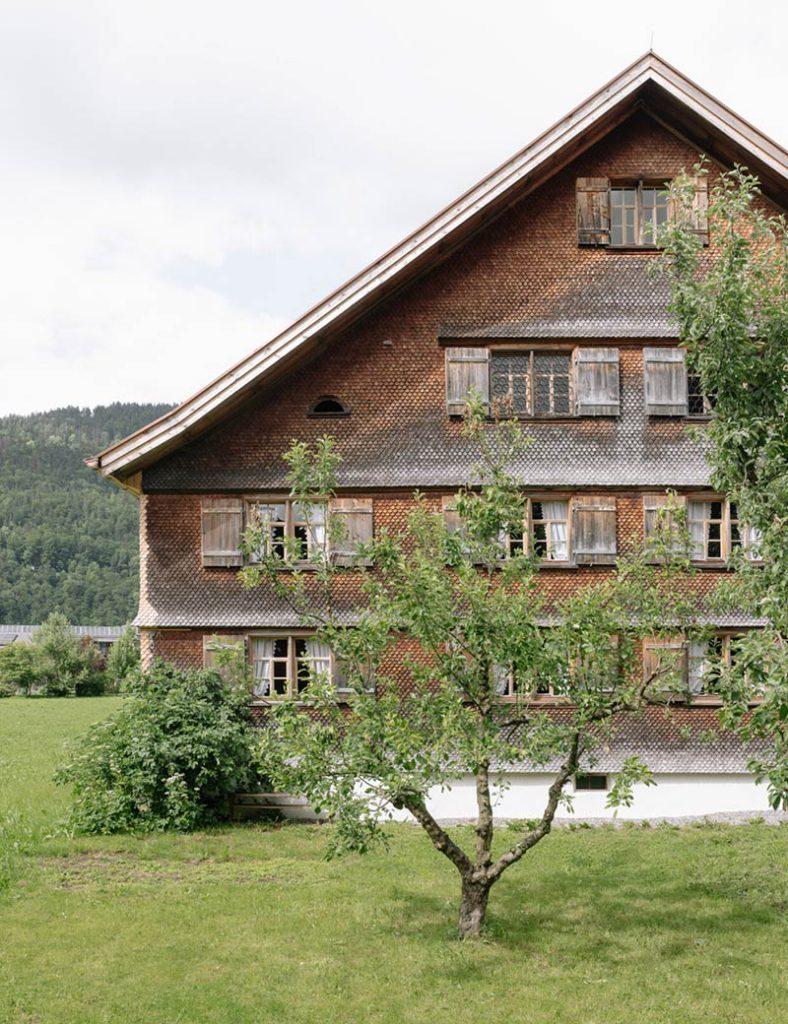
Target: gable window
328 405
531 383
637 213
629 214
508 683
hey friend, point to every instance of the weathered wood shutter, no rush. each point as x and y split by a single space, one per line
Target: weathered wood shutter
210 645
222 526
665 663
593 211
467 370
355 516
594 529
596 382
652 503
665 381
451 517
699 214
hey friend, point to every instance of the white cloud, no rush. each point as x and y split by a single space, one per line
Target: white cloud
180 179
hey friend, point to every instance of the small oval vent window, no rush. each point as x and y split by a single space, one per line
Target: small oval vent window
328 405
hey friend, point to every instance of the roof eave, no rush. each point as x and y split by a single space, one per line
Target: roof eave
434 240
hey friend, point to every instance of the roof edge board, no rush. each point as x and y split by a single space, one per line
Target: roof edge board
229 388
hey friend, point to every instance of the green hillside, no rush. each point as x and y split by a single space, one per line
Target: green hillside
68 539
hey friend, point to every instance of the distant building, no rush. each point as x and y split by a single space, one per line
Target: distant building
102 636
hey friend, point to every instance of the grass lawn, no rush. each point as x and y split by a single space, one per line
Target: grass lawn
250 924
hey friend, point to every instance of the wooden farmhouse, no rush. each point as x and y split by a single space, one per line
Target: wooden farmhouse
535 288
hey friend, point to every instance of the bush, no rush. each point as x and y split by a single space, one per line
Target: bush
65 666
18 673
123 659
7 690
181 744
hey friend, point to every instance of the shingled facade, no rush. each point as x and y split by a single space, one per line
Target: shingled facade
536 288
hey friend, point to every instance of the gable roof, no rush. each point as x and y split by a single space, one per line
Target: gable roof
650 83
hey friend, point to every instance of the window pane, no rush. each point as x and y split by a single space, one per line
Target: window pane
509 382
551 382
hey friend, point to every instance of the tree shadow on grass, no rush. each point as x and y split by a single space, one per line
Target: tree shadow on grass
605 918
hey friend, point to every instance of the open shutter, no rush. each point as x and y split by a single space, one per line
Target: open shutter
665 381
596 382
593 211
451 517
355 518
594 529
217 641
467 370
699 215
222 525
652 504
665 663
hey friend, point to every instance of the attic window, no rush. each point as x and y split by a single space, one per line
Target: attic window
637 213
328 405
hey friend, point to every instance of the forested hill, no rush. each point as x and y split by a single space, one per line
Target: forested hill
68 539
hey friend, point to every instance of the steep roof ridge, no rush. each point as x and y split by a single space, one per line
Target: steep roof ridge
181 422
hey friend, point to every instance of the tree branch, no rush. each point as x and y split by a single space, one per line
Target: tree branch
440 839
516 852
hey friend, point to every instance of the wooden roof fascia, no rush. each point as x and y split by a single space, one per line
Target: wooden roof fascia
436 237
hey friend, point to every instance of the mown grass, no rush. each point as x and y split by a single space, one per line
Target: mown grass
252 924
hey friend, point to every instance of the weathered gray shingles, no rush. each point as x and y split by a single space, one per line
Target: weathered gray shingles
628 451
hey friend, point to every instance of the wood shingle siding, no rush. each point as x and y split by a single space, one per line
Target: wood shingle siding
222 527
665 379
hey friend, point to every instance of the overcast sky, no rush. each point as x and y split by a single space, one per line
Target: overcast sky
179 180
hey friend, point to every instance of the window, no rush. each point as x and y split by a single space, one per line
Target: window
289 530
509 684
716 531
743 537
695 666
706 522
531 383
590 781
637 213
550 529
283 666
698 404
328 405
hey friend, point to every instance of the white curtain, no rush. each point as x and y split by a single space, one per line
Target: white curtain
262 652
319 657
558 546
500 675
697 662
697 512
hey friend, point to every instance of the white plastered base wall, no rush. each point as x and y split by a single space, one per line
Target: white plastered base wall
674 796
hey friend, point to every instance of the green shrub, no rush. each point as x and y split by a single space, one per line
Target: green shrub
7 690
65 665
168 759
123 660
18 673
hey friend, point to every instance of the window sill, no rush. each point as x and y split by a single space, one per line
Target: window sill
633 248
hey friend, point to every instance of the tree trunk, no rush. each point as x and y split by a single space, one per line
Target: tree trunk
473 907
